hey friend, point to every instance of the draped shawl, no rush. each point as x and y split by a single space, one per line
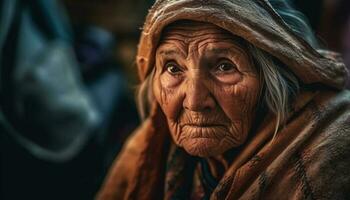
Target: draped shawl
310 156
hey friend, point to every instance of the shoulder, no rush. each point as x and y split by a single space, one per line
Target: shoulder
122 171
327 155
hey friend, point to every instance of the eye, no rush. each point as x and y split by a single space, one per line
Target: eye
225 67
173 68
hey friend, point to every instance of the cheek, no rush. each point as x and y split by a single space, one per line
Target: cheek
239 101
168 96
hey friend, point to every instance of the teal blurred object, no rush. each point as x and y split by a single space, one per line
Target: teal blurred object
65 107
44 106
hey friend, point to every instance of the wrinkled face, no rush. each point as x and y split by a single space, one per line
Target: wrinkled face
206 86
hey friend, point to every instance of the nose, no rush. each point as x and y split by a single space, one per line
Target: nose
197 96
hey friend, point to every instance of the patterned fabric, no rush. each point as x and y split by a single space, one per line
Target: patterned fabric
189 177
308 159
179 174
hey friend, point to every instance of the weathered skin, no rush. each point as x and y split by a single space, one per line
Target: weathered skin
207 87
308 158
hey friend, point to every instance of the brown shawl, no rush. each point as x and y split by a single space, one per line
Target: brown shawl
309 158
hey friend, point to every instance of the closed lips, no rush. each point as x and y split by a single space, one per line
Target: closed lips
204 131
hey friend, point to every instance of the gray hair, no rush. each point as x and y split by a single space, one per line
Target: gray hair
279 84
144 96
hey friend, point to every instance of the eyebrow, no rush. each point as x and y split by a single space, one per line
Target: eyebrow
227 50
169 52
220 50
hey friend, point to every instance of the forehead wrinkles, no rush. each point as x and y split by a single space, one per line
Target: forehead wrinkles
191 37
188 46
190 32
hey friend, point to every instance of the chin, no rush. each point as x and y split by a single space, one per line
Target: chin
204 147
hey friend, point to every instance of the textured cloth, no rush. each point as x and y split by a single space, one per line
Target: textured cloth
308 159
256 22
44 107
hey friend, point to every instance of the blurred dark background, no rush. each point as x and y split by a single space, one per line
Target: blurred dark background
67 84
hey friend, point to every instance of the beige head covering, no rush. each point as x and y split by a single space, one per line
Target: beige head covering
256 22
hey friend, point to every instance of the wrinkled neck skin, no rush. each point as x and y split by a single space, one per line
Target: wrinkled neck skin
207 87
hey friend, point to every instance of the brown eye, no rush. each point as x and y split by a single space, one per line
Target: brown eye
225 67
173 68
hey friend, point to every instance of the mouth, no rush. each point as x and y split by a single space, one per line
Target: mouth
203 125
209 131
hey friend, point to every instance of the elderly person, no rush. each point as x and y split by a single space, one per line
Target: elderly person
239 103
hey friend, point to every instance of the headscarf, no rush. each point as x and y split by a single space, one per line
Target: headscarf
311 149
256 22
